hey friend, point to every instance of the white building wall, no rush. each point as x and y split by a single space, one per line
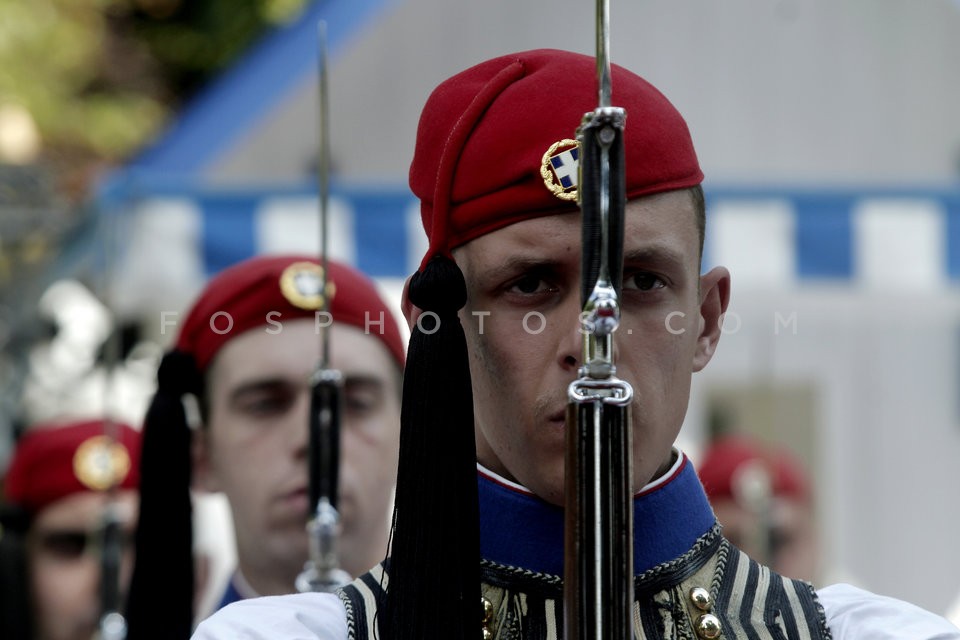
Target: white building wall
774 90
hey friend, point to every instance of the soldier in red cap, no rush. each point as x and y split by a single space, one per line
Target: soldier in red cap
246 351
495 311
61 481
762 497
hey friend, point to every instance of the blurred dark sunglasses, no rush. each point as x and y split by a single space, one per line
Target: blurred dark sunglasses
68 544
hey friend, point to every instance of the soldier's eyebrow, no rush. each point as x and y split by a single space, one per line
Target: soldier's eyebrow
654 254
260 385
364 381
518 265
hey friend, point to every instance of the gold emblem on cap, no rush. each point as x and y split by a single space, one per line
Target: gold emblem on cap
300 284
552 178
100 463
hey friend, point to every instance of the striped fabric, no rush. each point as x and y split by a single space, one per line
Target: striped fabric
906 239
749 600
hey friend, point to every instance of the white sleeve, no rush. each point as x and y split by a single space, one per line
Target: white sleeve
853 614
291 617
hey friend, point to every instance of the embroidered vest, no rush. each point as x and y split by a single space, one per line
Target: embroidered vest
713 591
690 582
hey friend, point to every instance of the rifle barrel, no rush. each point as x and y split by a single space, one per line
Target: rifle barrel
598 544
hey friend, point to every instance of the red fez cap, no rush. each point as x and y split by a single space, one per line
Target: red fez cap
272 289
54 461
486 136
729 455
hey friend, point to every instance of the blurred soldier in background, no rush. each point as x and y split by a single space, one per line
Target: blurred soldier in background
246 352
61 480
762 498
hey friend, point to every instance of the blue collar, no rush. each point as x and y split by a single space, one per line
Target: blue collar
230 595
518 529
237 589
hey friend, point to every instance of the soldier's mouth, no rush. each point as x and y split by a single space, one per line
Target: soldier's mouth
298 499
558 419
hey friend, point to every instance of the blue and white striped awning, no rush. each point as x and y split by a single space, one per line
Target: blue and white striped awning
176 235
876 238
173 235
376 228
775 237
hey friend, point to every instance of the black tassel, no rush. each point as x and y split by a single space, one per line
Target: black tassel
164 538
15 607
434 569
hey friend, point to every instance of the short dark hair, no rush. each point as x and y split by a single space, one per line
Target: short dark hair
700 211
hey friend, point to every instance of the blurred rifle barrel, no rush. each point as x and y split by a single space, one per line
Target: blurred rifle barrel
322 571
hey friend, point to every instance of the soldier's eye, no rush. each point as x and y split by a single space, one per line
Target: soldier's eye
528 284
65 545
643 281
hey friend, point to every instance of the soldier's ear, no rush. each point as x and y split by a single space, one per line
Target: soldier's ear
411 312
714 298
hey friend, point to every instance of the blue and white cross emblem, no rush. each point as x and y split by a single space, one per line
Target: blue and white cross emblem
565 166
559 166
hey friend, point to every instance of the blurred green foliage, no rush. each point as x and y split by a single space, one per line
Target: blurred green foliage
84 84
100 78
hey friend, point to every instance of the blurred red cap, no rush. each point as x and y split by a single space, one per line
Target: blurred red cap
53 461
728 456
270 289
